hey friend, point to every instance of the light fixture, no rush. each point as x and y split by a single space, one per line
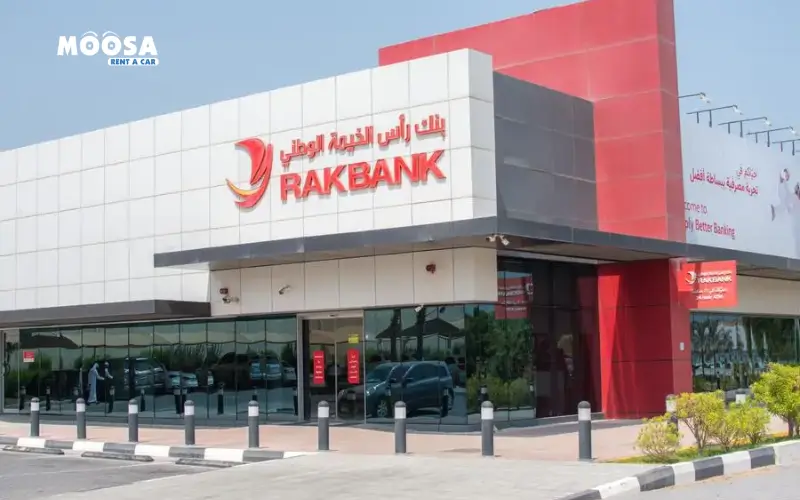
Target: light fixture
285 288
701 95
794 143
710 112
769 133
743 121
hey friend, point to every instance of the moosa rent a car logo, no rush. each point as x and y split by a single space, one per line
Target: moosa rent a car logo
120 50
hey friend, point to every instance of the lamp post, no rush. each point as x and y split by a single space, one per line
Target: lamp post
710 112
743 121
701 95
793 141
769 133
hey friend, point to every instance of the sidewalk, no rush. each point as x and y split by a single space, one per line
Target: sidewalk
608 443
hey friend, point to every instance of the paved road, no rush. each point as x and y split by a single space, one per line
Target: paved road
773 483
24 476
385 477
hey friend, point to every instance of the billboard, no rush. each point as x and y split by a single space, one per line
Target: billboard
740 194
514 296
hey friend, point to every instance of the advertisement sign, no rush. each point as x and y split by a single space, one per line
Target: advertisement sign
28 356
353 366
740 194
514 295
341 176
318 377
708 284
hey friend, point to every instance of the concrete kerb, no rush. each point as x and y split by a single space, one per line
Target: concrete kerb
193 453
698 470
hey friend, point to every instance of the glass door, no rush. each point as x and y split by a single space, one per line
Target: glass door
335 366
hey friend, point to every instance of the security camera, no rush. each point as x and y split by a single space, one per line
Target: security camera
223 291
418 308
431 268
491 238
284 289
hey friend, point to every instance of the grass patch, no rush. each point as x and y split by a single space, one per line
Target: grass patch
690 453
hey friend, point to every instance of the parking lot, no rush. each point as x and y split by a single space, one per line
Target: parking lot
28 475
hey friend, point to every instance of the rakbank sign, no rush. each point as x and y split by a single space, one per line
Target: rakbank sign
344 177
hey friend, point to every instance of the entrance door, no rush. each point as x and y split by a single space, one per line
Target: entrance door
335 366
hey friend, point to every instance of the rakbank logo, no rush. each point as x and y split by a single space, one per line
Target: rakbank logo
349 177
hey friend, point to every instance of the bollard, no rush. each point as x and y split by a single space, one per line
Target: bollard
142 401
221 399
672 407
22 393
112 393
176 397
184 395
323 426
47 403
584 431
188 411
133 421
35 417
80 417
252 424
741 396
400 427
487 429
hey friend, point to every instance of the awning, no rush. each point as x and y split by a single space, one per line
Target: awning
521 236
113 312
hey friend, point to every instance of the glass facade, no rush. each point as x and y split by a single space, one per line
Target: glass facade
730 351
220 365
533 353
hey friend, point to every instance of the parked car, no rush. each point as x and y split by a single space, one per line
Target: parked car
268 371
149 375
182 380
419 384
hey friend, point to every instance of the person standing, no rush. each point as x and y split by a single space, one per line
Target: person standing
94 377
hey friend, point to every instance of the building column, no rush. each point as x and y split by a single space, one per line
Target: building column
645 343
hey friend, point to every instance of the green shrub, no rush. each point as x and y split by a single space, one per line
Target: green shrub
658 439
519 394
724 429
778 390
698 412
502 394
751 421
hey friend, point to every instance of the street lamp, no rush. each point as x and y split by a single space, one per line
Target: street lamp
710 112
742 122
793 141
701 95
769 133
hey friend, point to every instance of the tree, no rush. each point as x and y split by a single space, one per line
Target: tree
779 390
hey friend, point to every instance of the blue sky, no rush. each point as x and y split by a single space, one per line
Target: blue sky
738 51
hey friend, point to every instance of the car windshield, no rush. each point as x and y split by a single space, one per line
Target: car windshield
381 372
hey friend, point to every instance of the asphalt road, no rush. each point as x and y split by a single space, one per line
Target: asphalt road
24 476
773 483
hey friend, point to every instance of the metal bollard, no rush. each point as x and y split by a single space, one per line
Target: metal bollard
176 397
671 405
80 417
22 393
741 396
487 429
133 421
188 411
221 399
323 426
400 427
47 402
584 431
142 401
35 417
252 425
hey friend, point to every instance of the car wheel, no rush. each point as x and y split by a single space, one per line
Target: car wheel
382 409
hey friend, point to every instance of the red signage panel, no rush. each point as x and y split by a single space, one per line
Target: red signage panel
514 295
28 356
708 284
353 366
318 377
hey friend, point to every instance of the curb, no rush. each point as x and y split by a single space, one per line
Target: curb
681 473
229 455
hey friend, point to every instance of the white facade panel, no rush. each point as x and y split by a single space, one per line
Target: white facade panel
465 274
82 216
765 296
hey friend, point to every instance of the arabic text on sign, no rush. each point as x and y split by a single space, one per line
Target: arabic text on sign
731 183
353 366
364 136
319 368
